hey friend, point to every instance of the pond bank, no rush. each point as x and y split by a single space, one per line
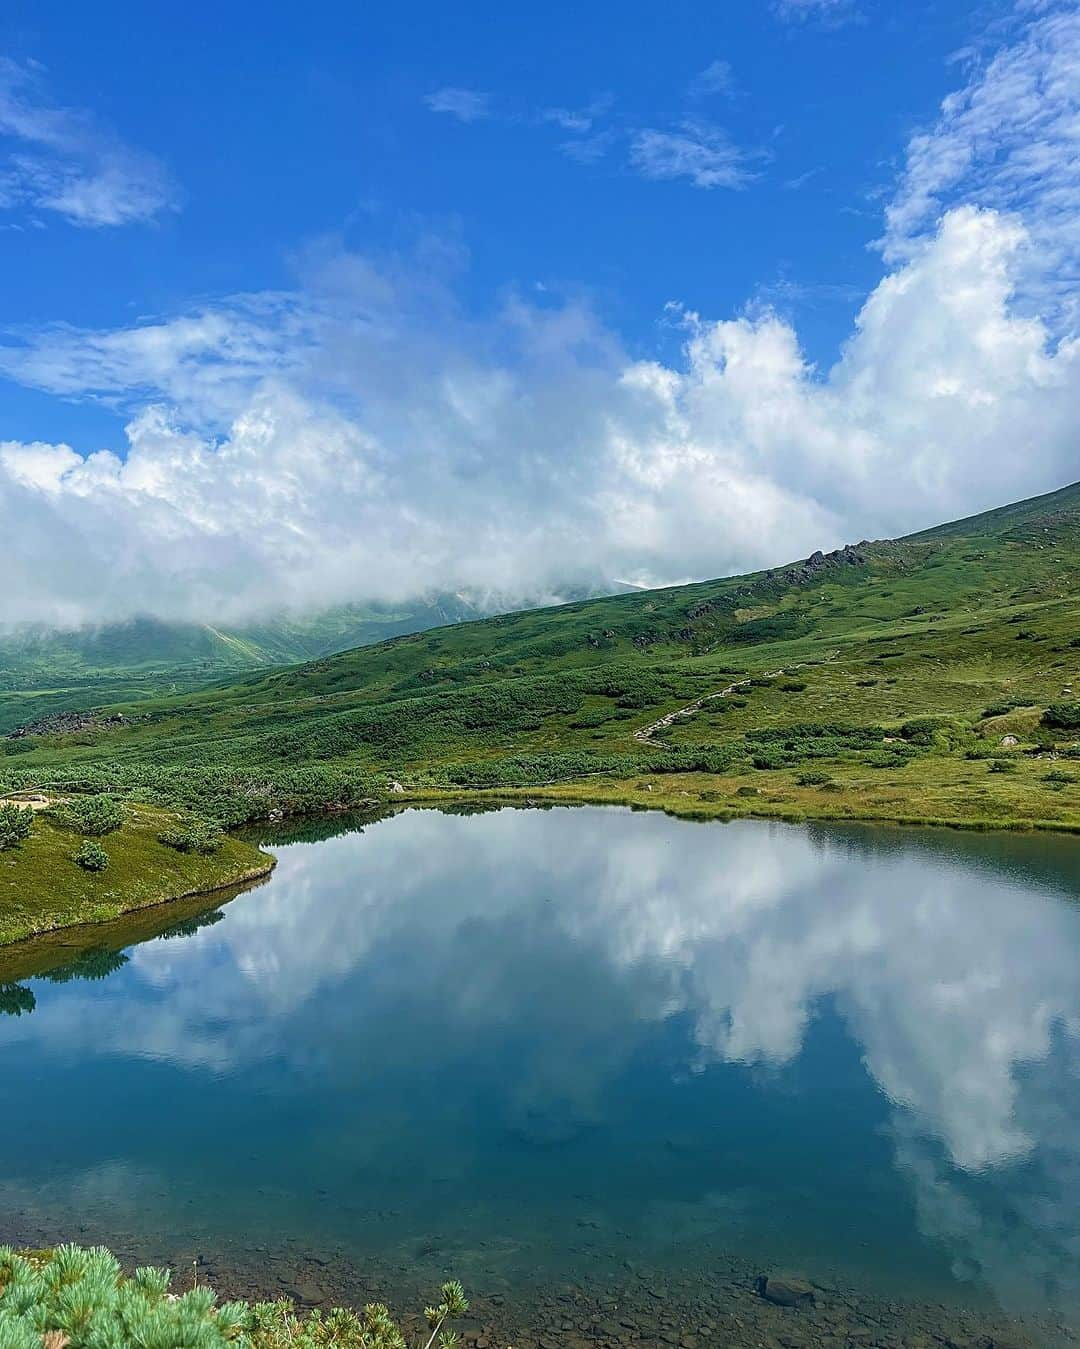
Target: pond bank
677 1306
42 888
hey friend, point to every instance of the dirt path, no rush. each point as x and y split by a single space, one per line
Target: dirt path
28 800
645 735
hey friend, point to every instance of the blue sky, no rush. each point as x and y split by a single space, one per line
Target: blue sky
516 191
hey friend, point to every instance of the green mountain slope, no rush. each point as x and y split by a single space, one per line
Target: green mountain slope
43 670
826 667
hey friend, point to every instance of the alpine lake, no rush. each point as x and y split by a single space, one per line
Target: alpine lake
606 1067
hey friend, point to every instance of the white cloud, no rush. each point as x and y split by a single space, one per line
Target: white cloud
568 118
717 78
467 105
1010 139
362 436
60 160
829 11
704 154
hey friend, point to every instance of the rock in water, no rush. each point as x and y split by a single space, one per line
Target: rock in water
784 1292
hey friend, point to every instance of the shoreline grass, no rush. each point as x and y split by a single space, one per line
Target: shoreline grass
43 890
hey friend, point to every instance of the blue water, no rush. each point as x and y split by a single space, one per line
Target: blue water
544 1044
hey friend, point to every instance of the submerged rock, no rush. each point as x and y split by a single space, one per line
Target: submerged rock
784 1292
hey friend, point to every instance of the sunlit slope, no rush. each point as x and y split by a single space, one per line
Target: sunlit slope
961 575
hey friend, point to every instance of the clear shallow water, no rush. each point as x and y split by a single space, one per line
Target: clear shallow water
552 1045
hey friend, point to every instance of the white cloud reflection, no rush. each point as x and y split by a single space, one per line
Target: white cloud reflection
957 982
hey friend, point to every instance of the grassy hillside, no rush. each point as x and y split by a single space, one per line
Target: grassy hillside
42 888
875 681
43 671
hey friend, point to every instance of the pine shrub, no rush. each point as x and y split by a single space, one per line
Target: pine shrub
91 856
91 816
78 1297
198 836
16 822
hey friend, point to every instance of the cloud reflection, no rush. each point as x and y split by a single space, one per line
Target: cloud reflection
956 981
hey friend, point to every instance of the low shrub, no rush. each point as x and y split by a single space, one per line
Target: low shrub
197 836
78 1296
16 824
1062 716
815 778
1006 705
92 816
91 856
922 730
792 686
1003 766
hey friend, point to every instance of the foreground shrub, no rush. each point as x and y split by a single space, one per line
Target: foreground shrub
91 856
78 1298
94 816
16 822
815 778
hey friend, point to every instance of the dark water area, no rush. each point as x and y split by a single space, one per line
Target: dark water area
603 1066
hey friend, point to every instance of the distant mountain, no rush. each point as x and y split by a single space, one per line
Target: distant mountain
146 644
43 669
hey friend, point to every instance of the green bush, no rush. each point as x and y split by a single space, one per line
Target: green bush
91 856
78 1297
815 778
92 816
923 730
16 822
999 709
1062 716
792 686
1003 766
198 836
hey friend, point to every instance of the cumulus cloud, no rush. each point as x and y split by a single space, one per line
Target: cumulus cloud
363 436
63 161
1008 140
379 443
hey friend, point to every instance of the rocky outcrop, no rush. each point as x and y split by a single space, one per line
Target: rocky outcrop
66 723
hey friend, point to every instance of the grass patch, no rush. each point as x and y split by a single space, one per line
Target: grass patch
43 888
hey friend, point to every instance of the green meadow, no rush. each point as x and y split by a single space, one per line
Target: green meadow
933 678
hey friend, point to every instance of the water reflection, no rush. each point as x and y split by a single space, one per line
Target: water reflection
840 1038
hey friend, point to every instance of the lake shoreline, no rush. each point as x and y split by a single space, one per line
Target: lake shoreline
655 793
682 796
50 893
665 1307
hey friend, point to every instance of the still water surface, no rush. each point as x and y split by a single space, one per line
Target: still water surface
539 1044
